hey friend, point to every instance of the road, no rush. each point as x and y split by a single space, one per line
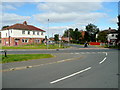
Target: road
74 68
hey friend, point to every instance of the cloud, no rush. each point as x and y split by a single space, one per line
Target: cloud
9 18
113 20
68 17
66 7
60 0
8 7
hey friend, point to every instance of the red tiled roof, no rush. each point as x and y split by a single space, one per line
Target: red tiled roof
23 26
110 31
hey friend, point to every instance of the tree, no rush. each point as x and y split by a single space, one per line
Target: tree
118 27
5 26
92 31
74 34
68 33
77 35
102 36
56 37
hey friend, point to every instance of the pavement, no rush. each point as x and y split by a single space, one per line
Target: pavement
71 68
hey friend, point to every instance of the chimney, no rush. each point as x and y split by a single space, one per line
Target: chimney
24 23
109 28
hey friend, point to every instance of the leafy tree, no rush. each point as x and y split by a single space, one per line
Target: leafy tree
102 36
5 26
68 33
118 27
77 35
74 34
56 37
92 31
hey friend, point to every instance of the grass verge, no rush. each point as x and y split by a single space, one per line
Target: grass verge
23 57
36 46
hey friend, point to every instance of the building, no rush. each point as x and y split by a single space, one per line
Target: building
66 39
112 35
21 34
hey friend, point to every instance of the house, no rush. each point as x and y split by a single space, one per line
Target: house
112 35
21 34
66 39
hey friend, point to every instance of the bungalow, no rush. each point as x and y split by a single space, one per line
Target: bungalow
21 34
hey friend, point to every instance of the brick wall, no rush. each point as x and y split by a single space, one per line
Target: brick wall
19 41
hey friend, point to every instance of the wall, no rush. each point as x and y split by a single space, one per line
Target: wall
18 33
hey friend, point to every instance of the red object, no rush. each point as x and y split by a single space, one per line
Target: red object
94 43
23 26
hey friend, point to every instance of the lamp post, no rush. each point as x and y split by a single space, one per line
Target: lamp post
9 37
48 35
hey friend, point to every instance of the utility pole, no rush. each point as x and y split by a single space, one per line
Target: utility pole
9 37
48 35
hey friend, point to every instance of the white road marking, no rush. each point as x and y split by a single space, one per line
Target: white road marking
102 60
106 54
82 53
76 53
55 81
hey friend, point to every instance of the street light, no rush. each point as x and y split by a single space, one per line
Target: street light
48 36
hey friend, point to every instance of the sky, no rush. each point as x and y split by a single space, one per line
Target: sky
61 15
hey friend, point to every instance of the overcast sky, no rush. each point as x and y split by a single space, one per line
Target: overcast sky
61 15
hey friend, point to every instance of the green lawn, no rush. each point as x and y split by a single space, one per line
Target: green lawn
39 46
22 57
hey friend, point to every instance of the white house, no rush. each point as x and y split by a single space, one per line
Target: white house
112 35
21 34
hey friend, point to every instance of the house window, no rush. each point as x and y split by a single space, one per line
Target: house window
11 31
25 40
37 33
37 40
112 35
41 33
33 32
23 32
28 32
6 34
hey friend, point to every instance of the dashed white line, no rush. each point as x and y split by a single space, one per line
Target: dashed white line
106 54
55 81
102 60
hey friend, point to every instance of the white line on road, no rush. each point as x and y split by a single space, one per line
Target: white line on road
102 60
106 54
55 81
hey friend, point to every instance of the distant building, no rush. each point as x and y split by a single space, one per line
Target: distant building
66 39
21 34
112 35
83 33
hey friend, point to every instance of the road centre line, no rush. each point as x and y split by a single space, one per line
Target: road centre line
106 54
103 60
55 81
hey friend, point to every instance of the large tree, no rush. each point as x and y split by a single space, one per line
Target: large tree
102 36
74 34
68 33
56 37
77 35
92 31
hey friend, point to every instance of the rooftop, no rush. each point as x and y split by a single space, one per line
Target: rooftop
23 26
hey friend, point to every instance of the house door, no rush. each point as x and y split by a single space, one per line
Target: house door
16 43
